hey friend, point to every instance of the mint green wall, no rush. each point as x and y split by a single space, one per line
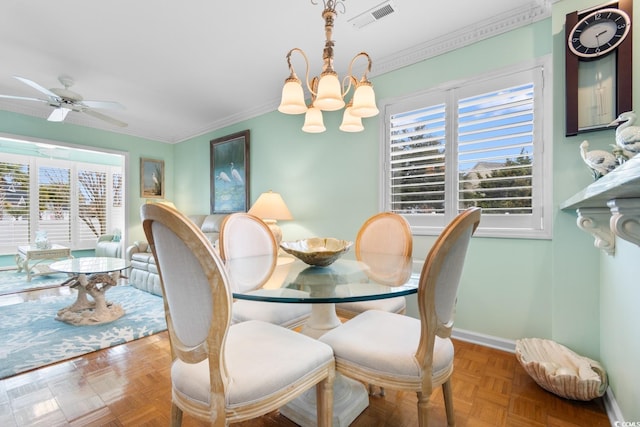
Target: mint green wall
618 285
620 336
132 147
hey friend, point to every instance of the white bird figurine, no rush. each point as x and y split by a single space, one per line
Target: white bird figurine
627 136
599 161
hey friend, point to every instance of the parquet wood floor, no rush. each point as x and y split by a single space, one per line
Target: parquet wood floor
129 385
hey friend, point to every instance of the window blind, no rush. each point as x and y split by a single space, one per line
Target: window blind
417 153
54 203
495 151
15 224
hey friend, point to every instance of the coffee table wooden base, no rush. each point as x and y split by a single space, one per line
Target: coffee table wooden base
95 311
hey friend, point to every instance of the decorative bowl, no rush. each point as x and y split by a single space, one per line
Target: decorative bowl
317 251
561 371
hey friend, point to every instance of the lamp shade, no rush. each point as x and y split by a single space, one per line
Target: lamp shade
351 123
329 97
313 122
270 205
364 101
292 101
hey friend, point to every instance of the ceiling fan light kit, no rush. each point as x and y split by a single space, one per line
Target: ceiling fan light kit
64 100
327 92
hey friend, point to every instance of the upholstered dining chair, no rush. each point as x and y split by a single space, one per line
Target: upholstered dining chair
243 235
387 233
224 373
401 352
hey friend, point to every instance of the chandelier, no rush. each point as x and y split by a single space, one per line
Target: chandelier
327 92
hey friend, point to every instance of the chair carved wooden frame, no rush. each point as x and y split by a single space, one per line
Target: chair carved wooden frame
399 352
218 370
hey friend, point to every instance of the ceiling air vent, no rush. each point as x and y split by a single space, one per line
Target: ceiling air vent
372 15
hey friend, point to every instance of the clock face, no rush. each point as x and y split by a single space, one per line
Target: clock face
599 32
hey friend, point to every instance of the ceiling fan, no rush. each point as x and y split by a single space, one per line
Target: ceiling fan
64 100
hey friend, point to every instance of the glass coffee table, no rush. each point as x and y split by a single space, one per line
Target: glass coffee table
92 277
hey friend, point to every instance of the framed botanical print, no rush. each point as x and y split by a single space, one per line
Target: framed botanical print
151 178
229 173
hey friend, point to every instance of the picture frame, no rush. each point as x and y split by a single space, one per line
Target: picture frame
151 178
229 173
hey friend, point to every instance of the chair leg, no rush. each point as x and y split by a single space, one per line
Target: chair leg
176 416
324 402
448 403
423 409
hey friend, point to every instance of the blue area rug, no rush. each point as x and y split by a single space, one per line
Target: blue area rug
12 282
31 337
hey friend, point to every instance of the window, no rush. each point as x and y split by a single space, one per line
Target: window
475 143
74 202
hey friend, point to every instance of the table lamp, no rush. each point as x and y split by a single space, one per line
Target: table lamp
270 208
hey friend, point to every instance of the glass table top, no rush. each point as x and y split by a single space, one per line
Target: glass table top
374 276
89 265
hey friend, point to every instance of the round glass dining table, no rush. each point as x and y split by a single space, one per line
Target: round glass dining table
373 276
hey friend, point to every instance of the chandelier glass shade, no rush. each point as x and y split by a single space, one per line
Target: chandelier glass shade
327 92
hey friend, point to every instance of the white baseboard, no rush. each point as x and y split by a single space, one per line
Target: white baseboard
484 340
613 410
611 406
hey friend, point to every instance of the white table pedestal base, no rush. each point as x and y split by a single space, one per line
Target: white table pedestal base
350 398
323 318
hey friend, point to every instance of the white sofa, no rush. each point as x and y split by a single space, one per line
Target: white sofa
144 273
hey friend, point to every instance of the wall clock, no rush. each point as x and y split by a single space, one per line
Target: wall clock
598 66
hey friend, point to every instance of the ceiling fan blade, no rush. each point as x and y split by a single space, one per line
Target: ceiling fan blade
23 98
37 87
58 115
107 105
106 118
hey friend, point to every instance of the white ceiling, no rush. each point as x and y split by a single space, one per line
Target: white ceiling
183 68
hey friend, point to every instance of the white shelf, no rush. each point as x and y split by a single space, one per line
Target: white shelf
610 206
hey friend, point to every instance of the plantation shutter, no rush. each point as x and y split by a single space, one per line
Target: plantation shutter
15 202
475 143
92 204
417 160
54 203
495 151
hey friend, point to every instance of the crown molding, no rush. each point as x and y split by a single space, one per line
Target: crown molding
500 24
